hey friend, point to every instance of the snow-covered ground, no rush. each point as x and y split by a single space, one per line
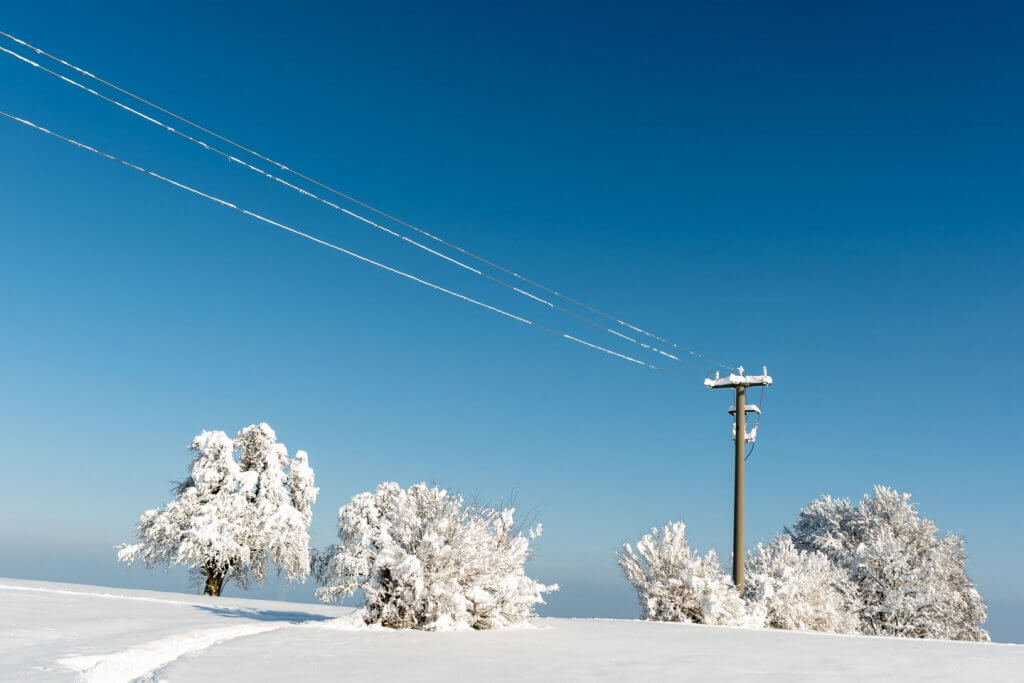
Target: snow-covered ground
51 631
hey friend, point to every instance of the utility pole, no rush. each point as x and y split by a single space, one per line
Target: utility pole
739 383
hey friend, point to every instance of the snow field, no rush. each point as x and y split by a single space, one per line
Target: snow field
66 632
60 632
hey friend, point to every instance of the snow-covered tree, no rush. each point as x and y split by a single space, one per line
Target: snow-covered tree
910 581
233 516
798 589
424 559
674 583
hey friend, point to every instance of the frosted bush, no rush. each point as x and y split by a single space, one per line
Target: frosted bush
425 560
675 584
909 581
798 589
232 517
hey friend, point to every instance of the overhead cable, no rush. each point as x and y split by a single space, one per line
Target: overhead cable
317 240
306 193
688 353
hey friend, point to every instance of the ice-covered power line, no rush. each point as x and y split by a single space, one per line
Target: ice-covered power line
319 241
689 354
304 192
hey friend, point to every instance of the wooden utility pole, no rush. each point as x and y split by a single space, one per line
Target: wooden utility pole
739 383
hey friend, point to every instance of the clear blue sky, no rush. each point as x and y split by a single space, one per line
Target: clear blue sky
834 191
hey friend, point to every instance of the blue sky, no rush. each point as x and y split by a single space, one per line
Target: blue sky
831 191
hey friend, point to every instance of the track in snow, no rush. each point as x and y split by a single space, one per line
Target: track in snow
141 660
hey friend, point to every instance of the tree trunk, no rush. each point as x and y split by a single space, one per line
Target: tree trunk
214 582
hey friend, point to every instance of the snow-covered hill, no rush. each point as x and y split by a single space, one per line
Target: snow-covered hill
51 631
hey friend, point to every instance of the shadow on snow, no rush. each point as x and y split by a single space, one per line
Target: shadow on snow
263 614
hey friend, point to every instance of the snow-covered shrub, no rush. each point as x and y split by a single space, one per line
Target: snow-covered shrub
232 516
424 559
798 589
675 584
910 581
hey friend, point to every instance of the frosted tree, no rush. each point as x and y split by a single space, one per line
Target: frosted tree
282 493
232 517
798 589
424 559
674 583
910 581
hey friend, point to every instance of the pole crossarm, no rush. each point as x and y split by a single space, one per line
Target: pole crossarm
732 381
749 409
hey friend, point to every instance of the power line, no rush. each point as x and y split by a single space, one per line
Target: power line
317 240
306 193
592 309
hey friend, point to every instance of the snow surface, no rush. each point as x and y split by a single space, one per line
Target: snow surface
740 380
63 632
